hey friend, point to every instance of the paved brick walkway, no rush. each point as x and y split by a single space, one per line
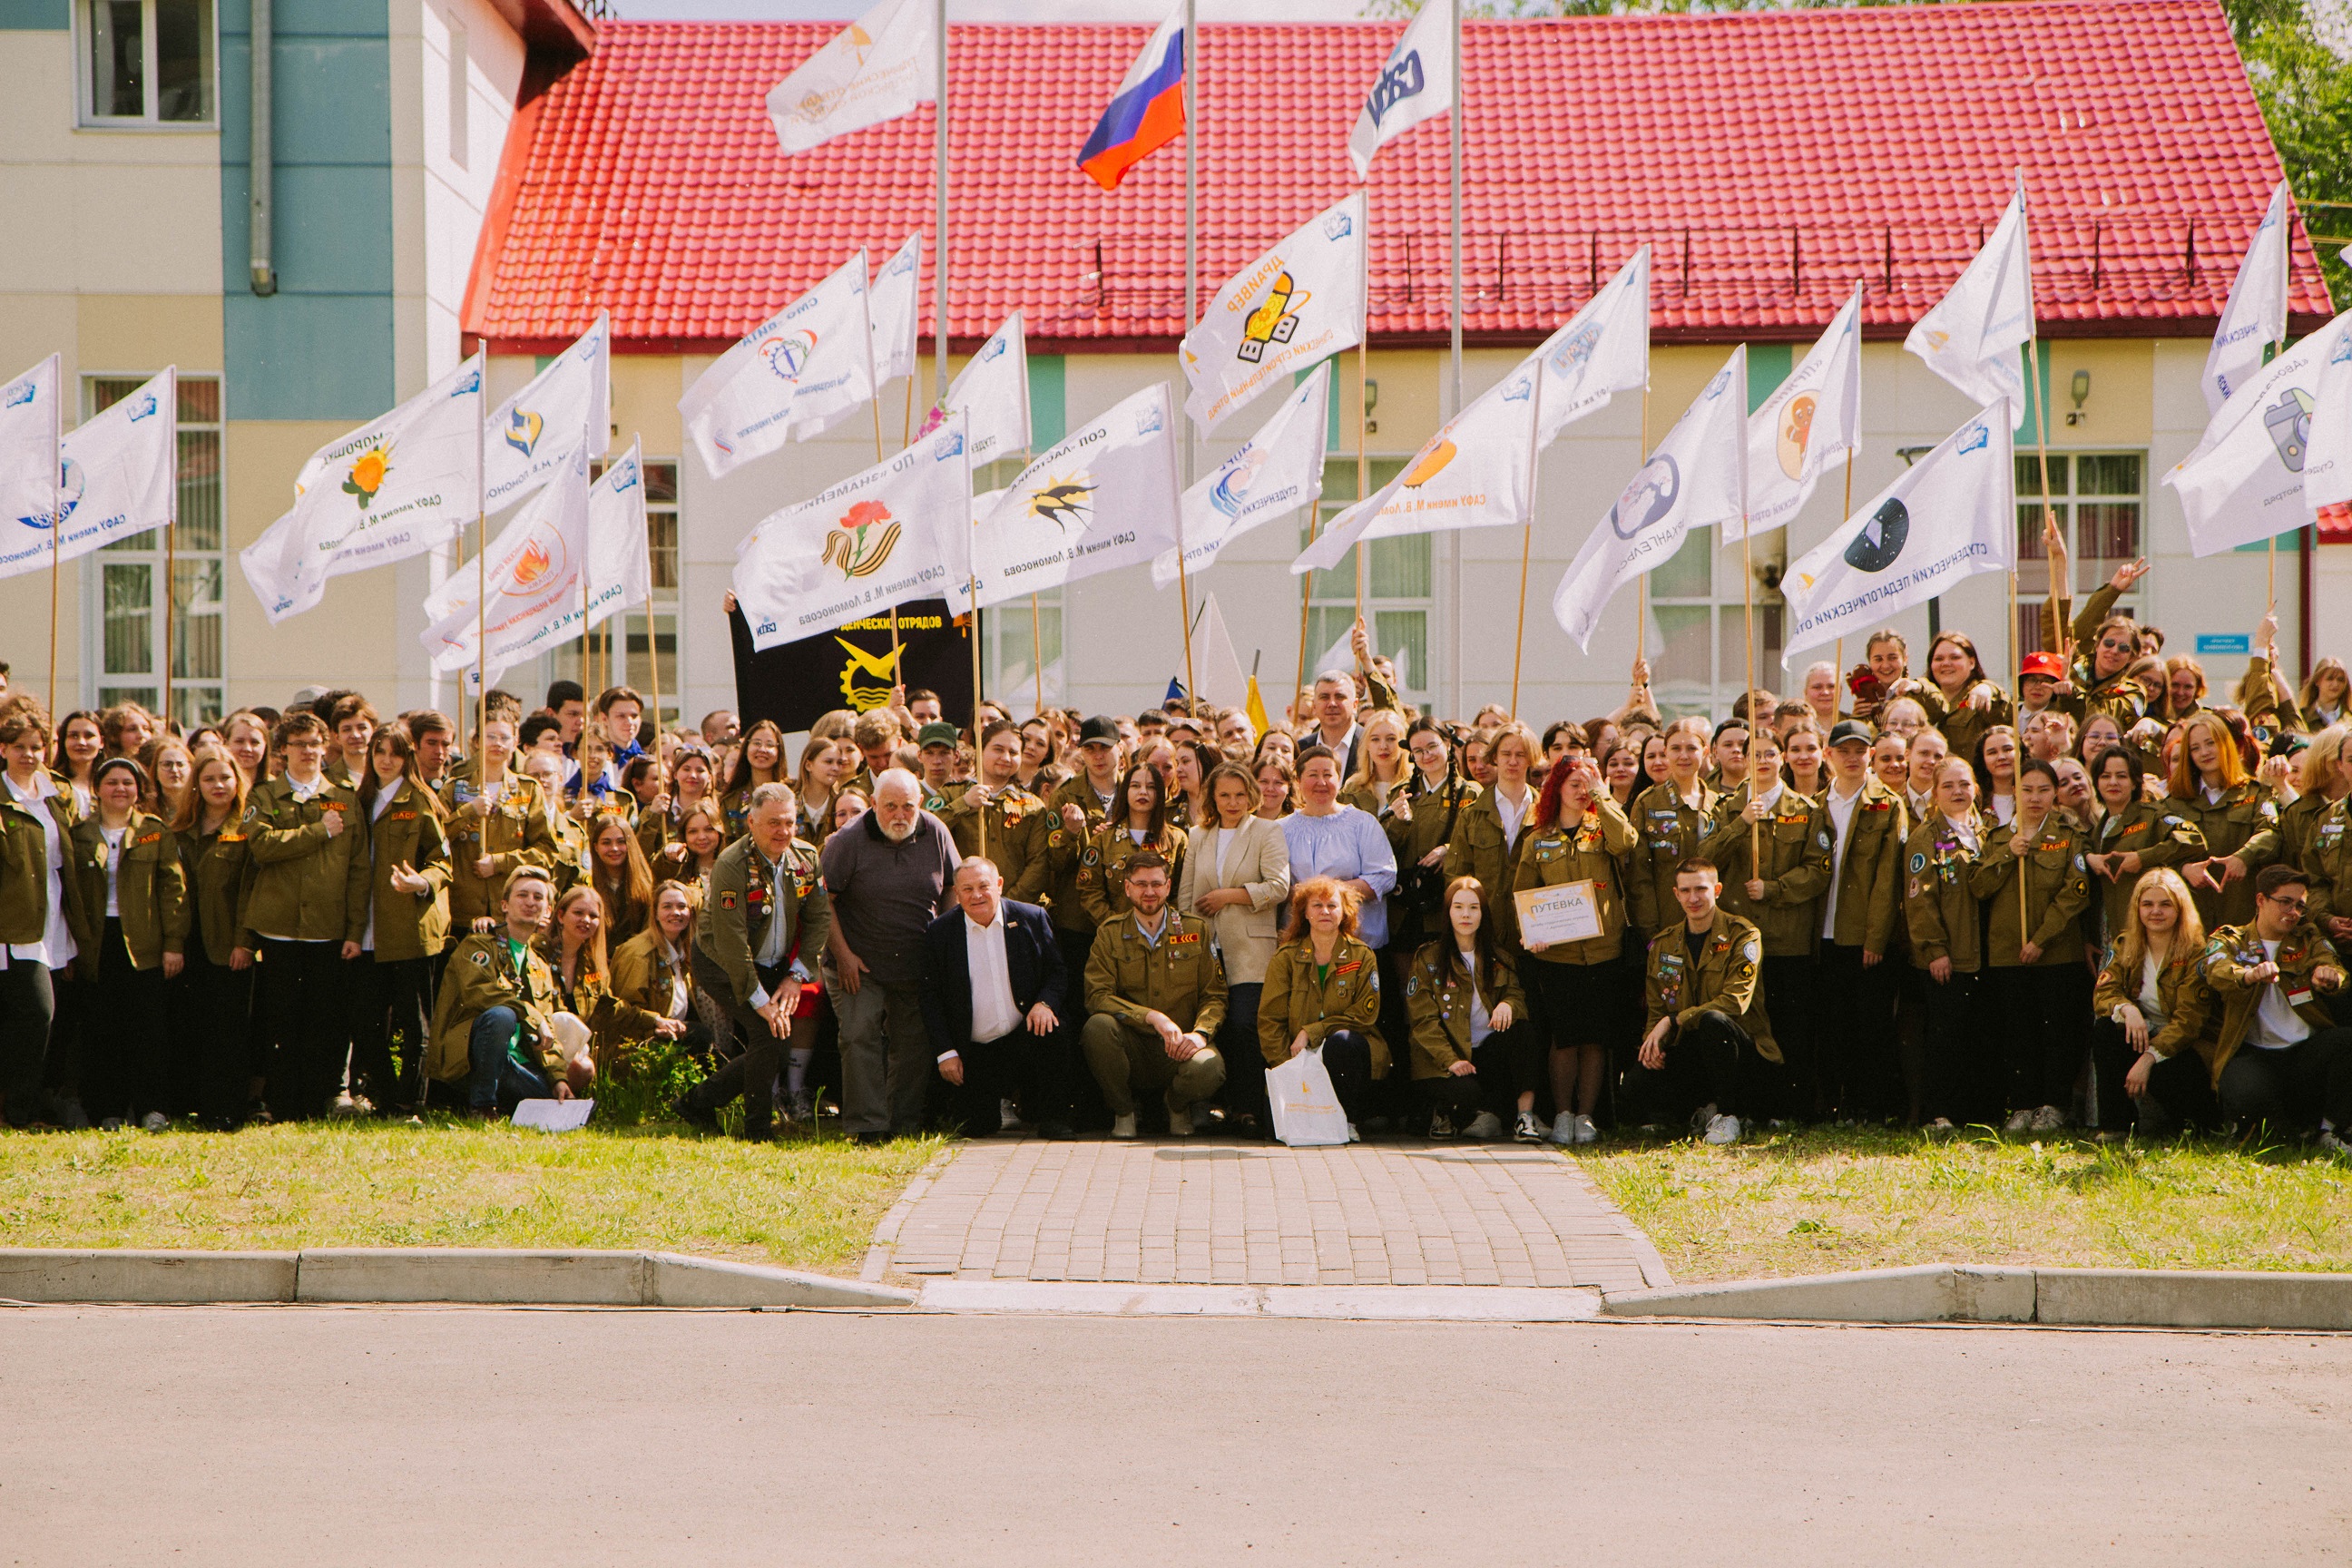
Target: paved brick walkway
1212 1213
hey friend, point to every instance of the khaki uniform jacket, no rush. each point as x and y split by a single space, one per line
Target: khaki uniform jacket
479 977
24 867
220 882
1347 997
2057 892
643 974
409 833
1869 874
657 830
2159 835
517 832
570 851
615 1026
1964 726
1671 832
2232 951
2190 1016
2244 822
1481 848
150 890
1128 977
2328 863
1593 851
735 926
1797 844
2118 696
1437 1001
1257 864
307 887
1017 825
1940 907
1728 979
2299 829
1102 870
1066 851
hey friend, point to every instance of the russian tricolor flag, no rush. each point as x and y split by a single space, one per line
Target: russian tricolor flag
1147 113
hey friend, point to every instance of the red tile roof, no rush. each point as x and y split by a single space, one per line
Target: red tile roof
1770 158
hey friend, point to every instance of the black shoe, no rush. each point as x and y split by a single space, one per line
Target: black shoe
765 1133
873 1140
1056 1131
693 1115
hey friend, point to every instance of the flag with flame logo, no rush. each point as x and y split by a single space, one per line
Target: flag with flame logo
530 435
533 569
794 375
893 534
1299 302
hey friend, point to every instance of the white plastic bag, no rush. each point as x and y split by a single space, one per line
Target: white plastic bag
1306 1107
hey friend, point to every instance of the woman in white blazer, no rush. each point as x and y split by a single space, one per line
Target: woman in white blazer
1237 879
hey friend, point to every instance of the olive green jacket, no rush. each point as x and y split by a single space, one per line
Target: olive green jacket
2159 835
151 891
2190 1020
1869 874
2057 892
24 867
743 908
1964 726
2328 863
1437 1001
479 977
643 974
1347 997
1017 823
220 871
1102 867
1066 851
1940 907
308 886
2244 823
2232 951
1128 977
409 833
1591 851
516 832
1797 843
1671 830
1481 848
1726 979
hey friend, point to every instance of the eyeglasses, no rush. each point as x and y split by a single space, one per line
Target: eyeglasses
2296 906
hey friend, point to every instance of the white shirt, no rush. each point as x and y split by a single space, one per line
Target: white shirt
678 989
772 949
383 799
1225 837
1481 1024
2277 1026
2151 998
2004 809
55 949
1513 814
113 836
1842 810
994 1014
1771 797
1965 829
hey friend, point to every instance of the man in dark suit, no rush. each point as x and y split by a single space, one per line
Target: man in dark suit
993 1001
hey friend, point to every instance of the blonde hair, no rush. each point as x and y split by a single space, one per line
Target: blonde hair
2319 758
1362 777
2188 938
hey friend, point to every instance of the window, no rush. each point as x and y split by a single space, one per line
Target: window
151 61
1398 594
1701 642
122 585
618 650
458 149
2098 505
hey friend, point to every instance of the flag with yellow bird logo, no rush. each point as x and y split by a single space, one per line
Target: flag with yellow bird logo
1300 303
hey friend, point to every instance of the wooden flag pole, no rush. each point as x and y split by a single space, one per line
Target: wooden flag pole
1037 649
2041 393
481 597
1527 533
1837 656
1363 468
1747 613
1642 587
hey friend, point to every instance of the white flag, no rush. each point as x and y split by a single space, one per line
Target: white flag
398 487
1276 471
894 533
1214 662
1299 302
1472 474
2244 481
31 421
796 374
2255 316
877 69
1102 499
1811 424
1950 515
116 472
1971 336
992 392
533 568
532 433
1696 479
1603 350
896 306
2328 457
620 552
1415 83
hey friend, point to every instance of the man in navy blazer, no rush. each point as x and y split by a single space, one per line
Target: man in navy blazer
993 1002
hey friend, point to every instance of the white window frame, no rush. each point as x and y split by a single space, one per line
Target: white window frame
2090 573
84 38
1332 594
1726 636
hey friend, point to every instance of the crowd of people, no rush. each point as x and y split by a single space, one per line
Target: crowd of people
2109 900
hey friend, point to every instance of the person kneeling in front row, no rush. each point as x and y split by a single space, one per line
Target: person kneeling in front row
494 1022
1706 1008
993 1004
2281 1060
1155 993
1464 998
1323 994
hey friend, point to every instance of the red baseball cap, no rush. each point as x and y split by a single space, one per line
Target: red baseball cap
2044 664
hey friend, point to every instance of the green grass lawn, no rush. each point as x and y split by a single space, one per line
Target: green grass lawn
1816 1202
375 1183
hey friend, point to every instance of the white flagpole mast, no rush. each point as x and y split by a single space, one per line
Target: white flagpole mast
939 301
170 532
2286 283
1191 303
1460 98
2039 392
57 522
482 589
1526 535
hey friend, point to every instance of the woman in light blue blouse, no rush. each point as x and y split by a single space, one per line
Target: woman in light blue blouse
1329 840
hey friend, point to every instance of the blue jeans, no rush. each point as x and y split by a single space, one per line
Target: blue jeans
498 1080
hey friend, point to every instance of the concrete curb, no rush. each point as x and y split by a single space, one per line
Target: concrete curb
1967 1293
1362 1303
369 1276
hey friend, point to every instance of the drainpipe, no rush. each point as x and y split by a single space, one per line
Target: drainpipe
265 275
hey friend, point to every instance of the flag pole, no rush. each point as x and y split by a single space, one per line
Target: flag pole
2287 284
1037 649
940 205
2039 390
57 522
653 660
1845 510
1748 674
1363 466
170 543
1527 534
1461 99
1642 585
481 589
1192 251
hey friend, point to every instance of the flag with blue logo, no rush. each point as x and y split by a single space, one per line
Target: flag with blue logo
2244 482
1415 83
30 424
1947 517
1971 336
1273 474
1601 351
1145 114
1299 302
896 533
531 434
116 474
992 392
403 485
2256 315
1697 478
794 375
895 306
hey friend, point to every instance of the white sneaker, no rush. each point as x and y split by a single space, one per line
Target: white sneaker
1723 1130
1564 1127
2333 1142
1008 1116
156 1122
343 1105
1585 1132
1179 1123
1123 1126
1527 1128
1941 1128
2049 1119
1354 1136
2019 1122
1487 1124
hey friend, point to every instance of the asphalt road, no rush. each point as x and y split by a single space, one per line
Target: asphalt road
457 1437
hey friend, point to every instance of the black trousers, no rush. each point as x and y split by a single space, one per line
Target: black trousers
1090 1112
1960 1083
1501 1064
216 1012
1348 1057
1859 1071
1792 989
1704 1065
2041 1013
303 989
126 1051
389 996
2293 1088
27 1005
1019 1066
1245 1088
752 1071
2180 1094
2111 1059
